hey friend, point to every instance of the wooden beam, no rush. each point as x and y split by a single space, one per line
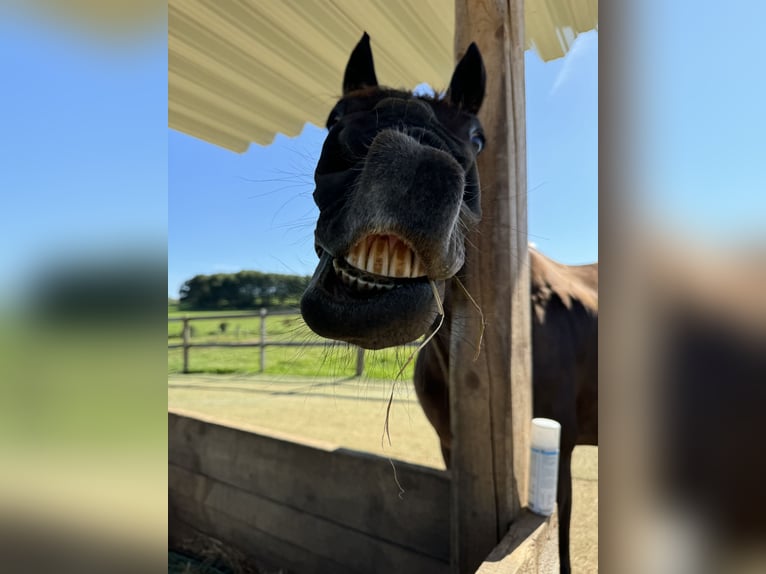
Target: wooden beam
530 547
490 397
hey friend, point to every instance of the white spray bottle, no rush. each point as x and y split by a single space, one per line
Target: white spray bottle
544 465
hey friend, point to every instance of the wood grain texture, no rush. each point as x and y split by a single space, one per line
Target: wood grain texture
283 530
529 547
354 491
198 532
259 546
490 398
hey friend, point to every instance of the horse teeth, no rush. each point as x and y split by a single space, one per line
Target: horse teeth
386 256
355 256
377 259
401 261
361 255
347 279
417 268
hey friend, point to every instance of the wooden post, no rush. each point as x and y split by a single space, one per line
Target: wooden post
490 398
263 339
185 333
359 361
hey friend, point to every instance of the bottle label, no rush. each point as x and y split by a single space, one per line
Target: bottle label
543 477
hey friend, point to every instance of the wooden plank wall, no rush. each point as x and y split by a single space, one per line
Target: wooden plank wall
302 507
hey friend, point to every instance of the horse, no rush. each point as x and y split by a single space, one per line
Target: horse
397 188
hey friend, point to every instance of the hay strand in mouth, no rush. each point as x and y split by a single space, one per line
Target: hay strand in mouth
481 314
427 340
440 308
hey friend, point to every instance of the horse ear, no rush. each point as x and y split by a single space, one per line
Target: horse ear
360 70
466 89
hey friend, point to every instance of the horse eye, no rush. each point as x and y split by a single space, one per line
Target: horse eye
477 141
333 119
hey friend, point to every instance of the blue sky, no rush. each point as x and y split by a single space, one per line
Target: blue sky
83 146
89 164
697 76
228 211
94 168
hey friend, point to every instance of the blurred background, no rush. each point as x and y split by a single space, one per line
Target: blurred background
83 222
683 321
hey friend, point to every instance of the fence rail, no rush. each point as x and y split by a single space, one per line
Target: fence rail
261 343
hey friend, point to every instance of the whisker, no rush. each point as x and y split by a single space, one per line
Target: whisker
440 309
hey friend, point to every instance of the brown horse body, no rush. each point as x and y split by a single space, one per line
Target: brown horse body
398 189
564 302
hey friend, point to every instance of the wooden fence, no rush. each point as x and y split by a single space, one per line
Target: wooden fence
306 507
262 342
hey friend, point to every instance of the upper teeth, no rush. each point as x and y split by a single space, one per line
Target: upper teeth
385 255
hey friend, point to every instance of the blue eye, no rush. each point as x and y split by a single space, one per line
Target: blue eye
477 141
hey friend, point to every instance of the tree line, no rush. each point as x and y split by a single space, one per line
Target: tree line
243 290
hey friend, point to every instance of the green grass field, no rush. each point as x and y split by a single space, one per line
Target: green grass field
336 360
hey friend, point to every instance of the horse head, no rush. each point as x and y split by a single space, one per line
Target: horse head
397 189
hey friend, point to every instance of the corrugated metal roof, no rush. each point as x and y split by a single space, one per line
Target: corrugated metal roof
240 71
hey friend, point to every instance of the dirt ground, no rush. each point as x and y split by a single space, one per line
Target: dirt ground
350 413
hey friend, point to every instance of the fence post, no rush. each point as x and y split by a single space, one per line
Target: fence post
263 339
186 343
359 361
490 395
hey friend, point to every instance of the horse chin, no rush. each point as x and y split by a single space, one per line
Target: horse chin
373 318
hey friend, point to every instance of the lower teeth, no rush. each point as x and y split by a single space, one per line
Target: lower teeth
358 282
